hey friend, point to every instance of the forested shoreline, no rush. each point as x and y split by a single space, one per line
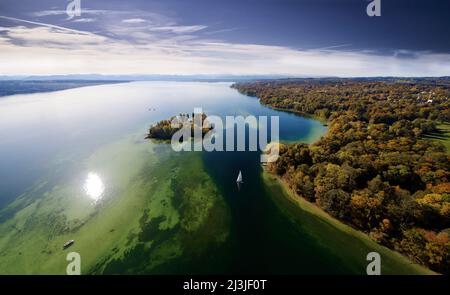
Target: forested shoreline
373 169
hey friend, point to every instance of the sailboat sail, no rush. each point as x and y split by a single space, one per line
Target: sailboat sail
239 178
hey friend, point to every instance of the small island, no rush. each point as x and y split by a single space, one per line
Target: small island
164 130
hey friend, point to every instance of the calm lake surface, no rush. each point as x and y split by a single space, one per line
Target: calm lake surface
75 165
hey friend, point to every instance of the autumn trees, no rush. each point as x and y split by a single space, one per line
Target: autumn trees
165 129
372 169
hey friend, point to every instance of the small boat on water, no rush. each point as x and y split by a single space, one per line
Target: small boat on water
68 244
239 178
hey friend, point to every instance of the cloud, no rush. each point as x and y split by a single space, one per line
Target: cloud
17 20
219 31
179 29
334 46
161 46
84 20
134 21
48 13
50 37
44 13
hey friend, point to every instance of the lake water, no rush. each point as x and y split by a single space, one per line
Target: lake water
75 165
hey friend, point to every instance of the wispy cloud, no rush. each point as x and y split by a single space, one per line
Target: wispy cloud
18 20
160 45
334 46
178 29
219 31
134 21
63 12
84 20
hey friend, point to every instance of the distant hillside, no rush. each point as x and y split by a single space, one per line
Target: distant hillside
26 86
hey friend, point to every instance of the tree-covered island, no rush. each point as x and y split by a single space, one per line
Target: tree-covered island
165 129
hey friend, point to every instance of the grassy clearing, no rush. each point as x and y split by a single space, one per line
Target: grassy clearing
442 135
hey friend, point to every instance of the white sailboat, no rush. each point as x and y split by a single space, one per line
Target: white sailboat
239 178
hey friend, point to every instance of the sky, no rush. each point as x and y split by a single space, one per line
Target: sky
298 38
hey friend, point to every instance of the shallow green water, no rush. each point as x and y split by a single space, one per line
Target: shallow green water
135 206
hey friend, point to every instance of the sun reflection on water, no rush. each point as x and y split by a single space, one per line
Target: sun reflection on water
94 186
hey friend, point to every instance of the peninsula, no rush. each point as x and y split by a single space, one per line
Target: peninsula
375 169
